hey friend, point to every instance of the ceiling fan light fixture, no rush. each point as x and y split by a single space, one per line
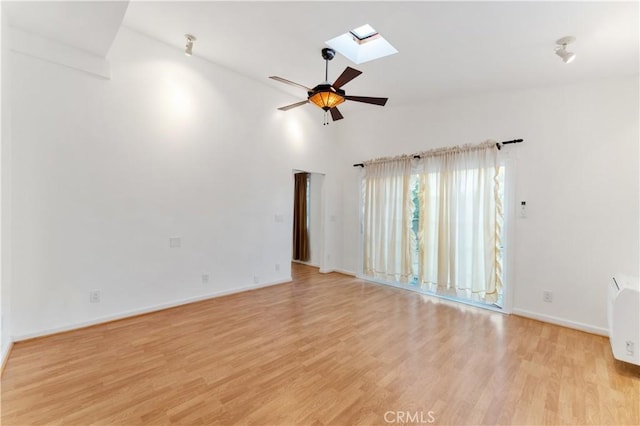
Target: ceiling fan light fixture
325 97
561 50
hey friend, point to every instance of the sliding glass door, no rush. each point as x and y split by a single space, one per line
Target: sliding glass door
436 225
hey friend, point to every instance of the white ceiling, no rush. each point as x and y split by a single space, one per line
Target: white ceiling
446 48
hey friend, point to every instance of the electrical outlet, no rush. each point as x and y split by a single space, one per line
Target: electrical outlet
256 279
94 296
547 296
205 278
630 349
175 242
277 266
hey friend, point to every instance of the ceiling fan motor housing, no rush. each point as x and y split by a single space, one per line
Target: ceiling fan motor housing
328 54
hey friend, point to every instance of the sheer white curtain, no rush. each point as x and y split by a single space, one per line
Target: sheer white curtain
460 224
388 209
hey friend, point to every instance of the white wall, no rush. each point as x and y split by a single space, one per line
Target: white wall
5 194
106 171
577 170
315 218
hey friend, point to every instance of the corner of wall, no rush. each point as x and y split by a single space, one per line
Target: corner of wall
5 194
39 47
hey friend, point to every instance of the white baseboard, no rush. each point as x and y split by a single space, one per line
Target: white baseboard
4 356
520 312
338 270
562 321
305 263
141 311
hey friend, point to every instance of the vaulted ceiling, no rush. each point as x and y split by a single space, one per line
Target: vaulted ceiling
445 48
88 26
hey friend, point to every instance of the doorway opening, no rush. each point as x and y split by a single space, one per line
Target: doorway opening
308 218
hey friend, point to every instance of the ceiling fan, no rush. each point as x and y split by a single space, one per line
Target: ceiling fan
328 96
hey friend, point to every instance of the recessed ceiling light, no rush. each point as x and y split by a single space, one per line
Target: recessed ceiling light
362 44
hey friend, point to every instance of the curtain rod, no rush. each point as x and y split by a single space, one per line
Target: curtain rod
498 145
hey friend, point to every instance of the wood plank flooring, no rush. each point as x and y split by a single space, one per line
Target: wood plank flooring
324 349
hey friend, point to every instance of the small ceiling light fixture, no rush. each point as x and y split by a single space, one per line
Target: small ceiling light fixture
561 49
189 47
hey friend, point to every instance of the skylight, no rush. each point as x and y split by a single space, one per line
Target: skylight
364 32
362 44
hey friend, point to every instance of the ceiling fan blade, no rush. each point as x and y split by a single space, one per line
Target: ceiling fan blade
335 114
285 81
367 100
347 75
297 104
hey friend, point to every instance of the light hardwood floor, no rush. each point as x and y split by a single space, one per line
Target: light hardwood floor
324 349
